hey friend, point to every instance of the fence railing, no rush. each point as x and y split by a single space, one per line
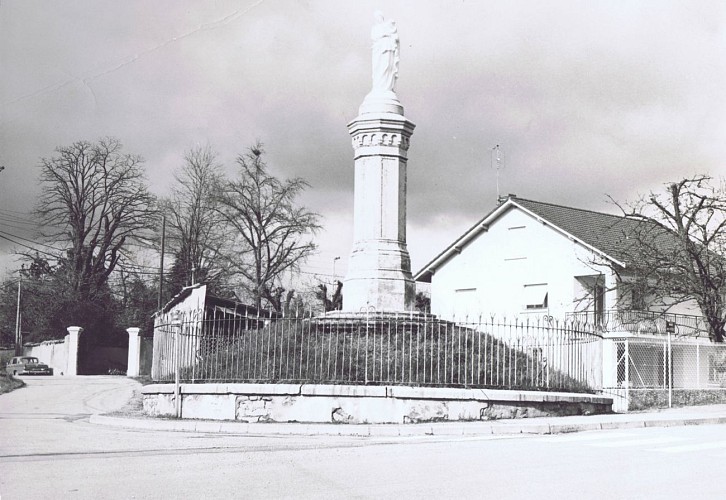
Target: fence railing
643 322
488 353
659 364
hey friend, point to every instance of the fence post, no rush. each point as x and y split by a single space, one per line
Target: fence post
134 355
74 333
698 366
176 321
670 365
626 354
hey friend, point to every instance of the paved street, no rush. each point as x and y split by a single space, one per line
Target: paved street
48 449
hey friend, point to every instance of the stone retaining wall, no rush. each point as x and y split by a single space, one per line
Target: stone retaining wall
362 404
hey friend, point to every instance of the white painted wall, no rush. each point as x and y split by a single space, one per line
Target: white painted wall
490 273
191 313
53 353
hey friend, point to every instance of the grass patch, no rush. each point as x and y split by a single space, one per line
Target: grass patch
8 384
441 354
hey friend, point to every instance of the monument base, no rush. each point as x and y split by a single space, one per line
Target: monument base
381 102
412 321
379 278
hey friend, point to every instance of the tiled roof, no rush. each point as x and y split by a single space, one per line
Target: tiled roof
613 236
610 234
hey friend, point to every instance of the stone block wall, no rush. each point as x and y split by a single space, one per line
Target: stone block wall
256 403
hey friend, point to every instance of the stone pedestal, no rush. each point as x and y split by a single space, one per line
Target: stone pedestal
74 333
134 359
379 270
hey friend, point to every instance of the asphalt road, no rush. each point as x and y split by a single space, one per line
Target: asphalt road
48 449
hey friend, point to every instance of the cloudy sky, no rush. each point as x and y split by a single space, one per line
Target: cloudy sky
587 99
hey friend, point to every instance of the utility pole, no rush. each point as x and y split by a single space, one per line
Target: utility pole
161 261
18 334
335 276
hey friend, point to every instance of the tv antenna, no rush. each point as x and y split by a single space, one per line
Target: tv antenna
498 163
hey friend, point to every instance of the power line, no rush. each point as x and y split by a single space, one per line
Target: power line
10 216
13 211
26 246
7 224
32 241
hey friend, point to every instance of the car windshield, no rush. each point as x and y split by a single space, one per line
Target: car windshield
29 361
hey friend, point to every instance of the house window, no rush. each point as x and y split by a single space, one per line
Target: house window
637 301
536 296
637 296
516 246
598 293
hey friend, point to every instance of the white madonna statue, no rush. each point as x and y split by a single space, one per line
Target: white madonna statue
385 53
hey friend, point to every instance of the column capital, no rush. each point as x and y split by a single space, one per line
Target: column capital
74 330
381 134
133 331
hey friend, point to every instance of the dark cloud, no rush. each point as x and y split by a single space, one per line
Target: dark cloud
586 99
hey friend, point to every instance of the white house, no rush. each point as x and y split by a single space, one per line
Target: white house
528 257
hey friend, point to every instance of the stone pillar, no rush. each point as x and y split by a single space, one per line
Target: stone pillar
379 270
134 360
74 333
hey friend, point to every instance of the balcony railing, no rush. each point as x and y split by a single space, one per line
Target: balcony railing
643 322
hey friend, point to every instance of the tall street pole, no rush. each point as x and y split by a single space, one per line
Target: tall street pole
18 339
335 276
161 261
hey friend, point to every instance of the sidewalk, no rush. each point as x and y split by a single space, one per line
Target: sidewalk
692 415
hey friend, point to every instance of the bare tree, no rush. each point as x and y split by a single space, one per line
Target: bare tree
273 234
195 225
676 253
335 303
94 203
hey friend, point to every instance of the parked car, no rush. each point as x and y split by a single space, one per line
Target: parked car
27 365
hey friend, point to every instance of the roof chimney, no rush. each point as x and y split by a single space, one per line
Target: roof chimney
502 199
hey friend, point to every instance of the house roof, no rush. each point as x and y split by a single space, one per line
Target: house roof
215 301
604 234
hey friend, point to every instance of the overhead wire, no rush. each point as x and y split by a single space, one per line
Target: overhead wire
26 246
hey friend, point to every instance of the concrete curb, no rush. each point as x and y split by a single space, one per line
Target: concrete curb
494 428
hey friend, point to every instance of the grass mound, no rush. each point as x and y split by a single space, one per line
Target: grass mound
8 383
438 354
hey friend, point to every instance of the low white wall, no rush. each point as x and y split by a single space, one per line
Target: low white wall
361 404
53 353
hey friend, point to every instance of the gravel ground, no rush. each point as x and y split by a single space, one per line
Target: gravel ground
134 407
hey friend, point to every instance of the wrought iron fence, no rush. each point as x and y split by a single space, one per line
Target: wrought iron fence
643 322
397 350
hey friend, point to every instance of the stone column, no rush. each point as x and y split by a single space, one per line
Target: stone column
379 270
134 360
74 333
